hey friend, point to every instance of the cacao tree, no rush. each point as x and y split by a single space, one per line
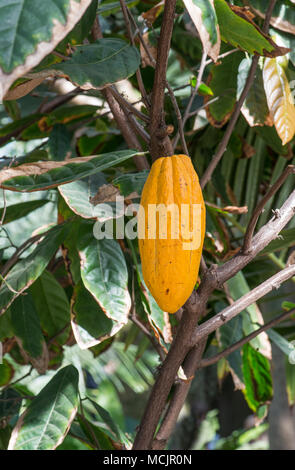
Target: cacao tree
181 102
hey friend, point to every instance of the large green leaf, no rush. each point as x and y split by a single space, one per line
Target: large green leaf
100 64
45 175
240 32
27 270
257 378
46 421
30 31
104 273
78 196
26 325
89 323
53 310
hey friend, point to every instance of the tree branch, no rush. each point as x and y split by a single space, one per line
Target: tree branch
213 359
241 304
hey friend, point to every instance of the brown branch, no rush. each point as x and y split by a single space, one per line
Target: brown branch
208 361
193 95
161 145
259 208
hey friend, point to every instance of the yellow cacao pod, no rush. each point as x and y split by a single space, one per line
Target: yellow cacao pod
171 229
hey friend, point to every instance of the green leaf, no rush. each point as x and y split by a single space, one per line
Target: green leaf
131 182
26 325
257 378
223 83
27 270
16 211
46 421
78 196
59 142
99 64
45 175
89 323
53 310
104 273
203 14
241 32
29 32
255 108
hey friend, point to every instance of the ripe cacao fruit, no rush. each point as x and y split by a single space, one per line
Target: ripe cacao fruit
171 229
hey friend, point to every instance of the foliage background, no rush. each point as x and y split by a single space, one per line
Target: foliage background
76 357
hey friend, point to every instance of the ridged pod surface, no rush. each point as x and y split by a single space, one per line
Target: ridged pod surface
171 260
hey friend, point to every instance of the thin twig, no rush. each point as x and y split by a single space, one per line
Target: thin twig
213 359
119 115
259 208
169 89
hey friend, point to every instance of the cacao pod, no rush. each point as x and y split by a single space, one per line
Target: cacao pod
171 229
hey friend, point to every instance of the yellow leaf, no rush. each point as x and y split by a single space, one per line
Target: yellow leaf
279 98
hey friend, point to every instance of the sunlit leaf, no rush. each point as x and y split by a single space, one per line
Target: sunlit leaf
279 98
